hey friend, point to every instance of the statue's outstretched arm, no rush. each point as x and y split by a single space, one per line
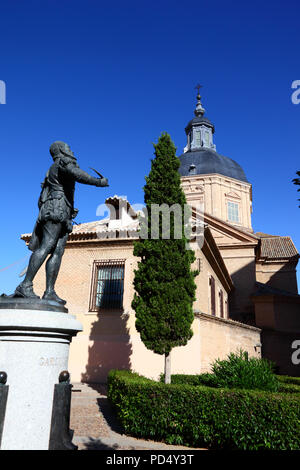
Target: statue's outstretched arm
73 171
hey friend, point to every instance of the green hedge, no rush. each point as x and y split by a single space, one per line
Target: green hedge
289 380
286 384
289 388
201 416
207 379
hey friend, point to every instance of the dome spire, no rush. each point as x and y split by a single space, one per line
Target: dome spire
199 130
199 111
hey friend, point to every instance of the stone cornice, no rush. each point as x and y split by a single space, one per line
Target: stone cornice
101 242
243 236
88 237
226 321
215 175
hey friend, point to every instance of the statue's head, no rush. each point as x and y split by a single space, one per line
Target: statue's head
58 148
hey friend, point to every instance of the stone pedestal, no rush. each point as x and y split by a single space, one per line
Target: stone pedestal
34 350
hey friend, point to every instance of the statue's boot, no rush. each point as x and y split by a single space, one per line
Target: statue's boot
25 291
52 295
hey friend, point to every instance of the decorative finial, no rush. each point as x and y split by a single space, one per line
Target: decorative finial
199 111
3 377
197 87
64 376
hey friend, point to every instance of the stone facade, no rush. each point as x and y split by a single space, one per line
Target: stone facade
215 192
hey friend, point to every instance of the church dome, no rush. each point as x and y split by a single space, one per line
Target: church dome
206 161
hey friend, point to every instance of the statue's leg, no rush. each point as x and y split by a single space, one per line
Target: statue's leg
51 232
52 269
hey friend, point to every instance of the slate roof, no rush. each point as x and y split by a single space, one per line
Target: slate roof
198 120
207 161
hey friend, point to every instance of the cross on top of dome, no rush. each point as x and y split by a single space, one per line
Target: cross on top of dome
199 111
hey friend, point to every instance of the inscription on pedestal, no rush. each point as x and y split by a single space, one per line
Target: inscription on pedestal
51 361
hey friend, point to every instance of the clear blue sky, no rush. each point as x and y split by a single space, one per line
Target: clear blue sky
109 77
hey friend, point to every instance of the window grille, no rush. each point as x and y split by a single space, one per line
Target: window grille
107 285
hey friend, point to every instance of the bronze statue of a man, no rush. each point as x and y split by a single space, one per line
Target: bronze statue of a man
54 223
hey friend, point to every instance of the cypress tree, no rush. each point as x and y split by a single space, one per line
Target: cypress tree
164 282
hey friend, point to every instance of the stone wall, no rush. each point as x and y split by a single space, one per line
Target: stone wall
219 337
280 275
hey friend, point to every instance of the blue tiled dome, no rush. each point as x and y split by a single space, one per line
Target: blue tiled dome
206 161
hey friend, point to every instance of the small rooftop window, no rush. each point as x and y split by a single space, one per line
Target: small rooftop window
192 169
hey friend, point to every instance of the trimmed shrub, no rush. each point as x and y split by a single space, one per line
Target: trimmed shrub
289 380
239 371
201 416
286 385
201 379
289 388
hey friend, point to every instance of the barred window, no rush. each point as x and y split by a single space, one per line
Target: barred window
107 285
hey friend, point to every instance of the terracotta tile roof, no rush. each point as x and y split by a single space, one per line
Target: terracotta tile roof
273 247
90 226
102 228
97 229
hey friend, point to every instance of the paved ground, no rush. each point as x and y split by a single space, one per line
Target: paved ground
95 426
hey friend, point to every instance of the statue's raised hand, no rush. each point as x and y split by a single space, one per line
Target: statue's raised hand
102 182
